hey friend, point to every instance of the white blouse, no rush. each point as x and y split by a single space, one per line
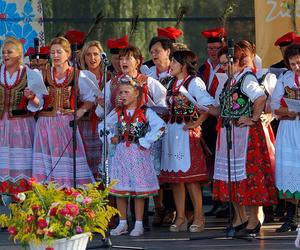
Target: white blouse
156 124
34 78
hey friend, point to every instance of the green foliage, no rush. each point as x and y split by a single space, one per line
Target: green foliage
209 11
47 213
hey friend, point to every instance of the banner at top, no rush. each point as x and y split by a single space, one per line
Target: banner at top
22 19
274 18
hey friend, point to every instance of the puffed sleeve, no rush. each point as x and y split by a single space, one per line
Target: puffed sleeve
100 110
157 92
277 93
270 83
251 88
86 94
37 85
197 89
111 125
157 128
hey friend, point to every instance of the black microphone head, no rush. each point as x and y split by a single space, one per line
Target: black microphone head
74 47
230 42
104 58
36 42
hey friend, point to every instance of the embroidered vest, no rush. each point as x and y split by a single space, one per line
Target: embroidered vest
61 96
131 131
292 93
12 99
181 108
234 103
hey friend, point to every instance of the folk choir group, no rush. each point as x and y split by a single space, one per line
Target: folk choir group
167 122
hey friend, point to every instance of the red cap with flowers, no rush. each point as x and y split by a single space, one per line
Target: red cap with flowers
286 39
169 32
75 37
44 52
215 34
115 44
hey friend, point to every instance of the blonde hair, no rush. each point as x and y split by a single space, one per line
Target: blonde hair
63 42
84 51
14 41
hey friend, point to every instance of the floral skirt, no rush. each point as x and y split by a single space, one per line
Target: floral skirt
259 186
16 143
198 169
53 153
92 145
134 172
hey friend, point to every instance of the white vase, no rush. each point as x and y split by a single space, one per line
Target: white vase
76 242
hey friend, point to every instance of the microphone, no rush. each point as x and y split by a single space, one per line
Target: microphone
104 58
36 44
230 45
74 50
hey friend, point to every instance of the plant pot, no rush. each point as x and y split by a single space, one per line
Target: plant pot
76 242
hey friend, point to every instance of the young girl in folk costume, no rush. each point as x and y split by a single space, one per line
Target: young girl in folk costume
287 141
91 63
183 162
134 128
53 151
18 102
252 178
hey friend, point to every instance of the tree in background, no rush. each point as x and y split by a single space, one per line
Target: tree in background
78 14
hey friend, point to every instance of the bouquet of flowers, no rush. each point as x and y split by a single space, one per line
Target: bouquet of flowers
47 213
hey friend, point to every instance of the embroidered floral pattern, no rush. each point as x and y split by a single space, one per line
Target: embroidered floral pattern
8 15
259 187
23 20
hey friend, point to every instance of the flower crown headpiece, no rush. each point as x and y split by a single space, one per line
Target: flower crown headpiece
126 79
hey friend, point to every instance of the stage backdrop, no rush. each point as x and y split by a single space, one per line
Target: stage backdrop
23 20
273 18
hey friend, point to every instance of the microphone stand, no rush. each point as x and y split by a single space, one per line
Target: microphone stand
230 231
36 43
107 243
73 123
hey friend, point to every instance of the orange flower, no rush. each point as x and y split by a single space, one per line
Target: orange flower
68 223
89 213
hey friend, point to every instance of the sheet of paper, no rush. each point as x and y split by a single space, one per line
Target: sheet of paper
293 105
37 85
92 85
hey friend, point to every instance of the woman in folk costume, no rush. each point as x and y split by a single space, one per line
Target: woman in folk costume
18 102
242 101
160 49
133 128
287 142
130 62
53 151
183 163
267 81
91 63
114 45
